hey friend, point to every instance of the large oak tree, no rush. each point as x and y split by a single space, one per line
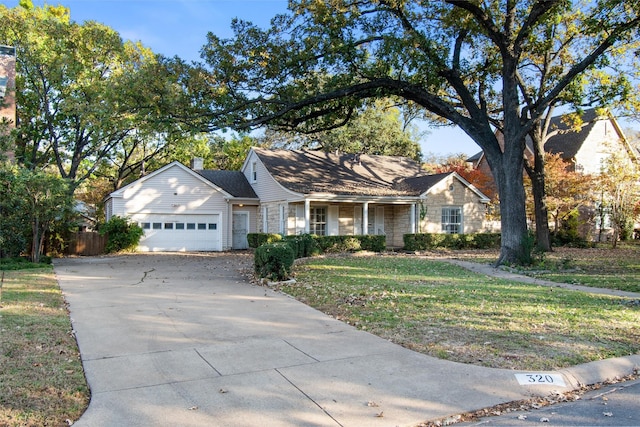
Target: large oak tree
85 97
481 65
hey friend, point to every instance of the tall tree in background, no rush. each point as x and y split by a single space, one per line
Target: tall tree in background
83 93
477 64
376 129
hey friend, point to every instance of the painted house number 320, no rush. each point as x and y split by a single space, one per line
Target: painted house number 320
540 378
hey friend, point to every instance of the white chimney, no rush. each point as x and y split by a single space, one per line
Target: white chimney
197 163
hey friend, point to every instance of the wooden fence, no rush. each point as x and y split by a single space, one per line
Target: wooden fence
87 243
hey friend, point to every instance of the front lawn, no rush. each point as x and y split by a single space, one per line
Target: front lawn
447 312
600 267
42 382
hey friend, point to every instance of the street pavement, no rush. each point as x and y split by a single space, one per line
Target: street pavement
186 340
612 405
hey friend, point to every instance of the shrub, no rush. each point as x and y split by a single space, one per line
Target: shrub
427 241
303 245
373 243
334 244
274 261
568 234
122 235
486 240
258 239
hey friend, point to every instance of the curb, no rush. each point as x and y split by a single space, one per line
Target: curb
601 371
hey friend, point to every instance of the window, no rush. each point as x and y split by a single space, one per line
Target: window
318 221
168 226
191 226
254 172
213 226
451 220
157 226
180 226
145 225
202 226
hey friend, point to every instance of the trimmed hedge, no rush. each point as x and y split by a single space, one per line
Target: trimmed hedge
258 239
303 245
425 241
334 244
274 261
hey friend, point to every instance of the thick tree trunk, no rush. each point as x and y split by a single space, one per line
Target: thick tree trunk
514 248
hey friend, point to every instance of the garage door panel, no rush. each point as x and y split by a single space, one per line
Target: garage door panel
164 233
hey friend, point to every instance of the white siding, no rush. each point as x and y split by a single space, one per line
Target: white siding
598 145
173 191
265 186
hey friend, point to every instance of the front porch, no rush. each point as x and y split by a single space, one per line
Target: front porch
326 218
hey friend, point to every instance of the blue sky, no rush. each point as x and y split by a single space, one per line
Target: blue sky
179 27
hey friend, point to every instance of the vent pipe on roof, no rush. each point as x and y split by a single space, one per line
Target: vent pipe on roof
197 163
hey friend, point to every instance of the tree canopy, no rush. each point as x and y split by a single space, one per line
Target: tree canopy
85 96
482 65
377 128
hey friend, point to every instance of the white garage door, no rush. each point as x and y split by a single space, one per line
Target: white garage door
168 233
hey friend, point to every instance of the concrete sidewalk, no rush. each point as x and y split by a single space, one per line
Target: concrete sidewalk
185 340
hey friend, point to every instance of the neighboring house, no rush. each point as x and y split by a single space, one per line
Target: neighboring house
295 192
583 149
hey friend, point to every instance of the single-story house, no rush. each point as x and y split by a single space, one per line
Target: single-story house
295 192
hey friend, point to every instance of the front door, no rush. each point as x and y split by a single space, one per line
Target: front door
240 228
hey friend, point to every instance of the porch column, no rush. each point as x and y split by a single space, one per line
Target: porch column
307 216
365 218
412 219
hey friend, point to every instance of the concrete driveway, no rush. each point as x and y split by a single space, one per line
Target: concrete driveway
186 340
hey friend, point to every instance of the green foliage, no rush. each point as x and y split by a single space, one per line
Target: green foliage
303 245
526 255
568 234
428 241
377 129
335 244
274 261
122 235
229 154
89 101
256 240
22 263
32 204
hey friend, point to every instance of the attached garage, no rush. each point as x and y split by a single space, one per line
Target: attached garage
169 233
182 209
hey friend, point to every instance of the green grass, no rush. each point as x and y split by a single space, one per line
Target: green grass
42 382
445 311
600 267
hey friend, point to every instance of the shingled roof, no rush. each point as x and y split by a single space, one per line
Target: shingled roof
308 172
567 140
233 182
